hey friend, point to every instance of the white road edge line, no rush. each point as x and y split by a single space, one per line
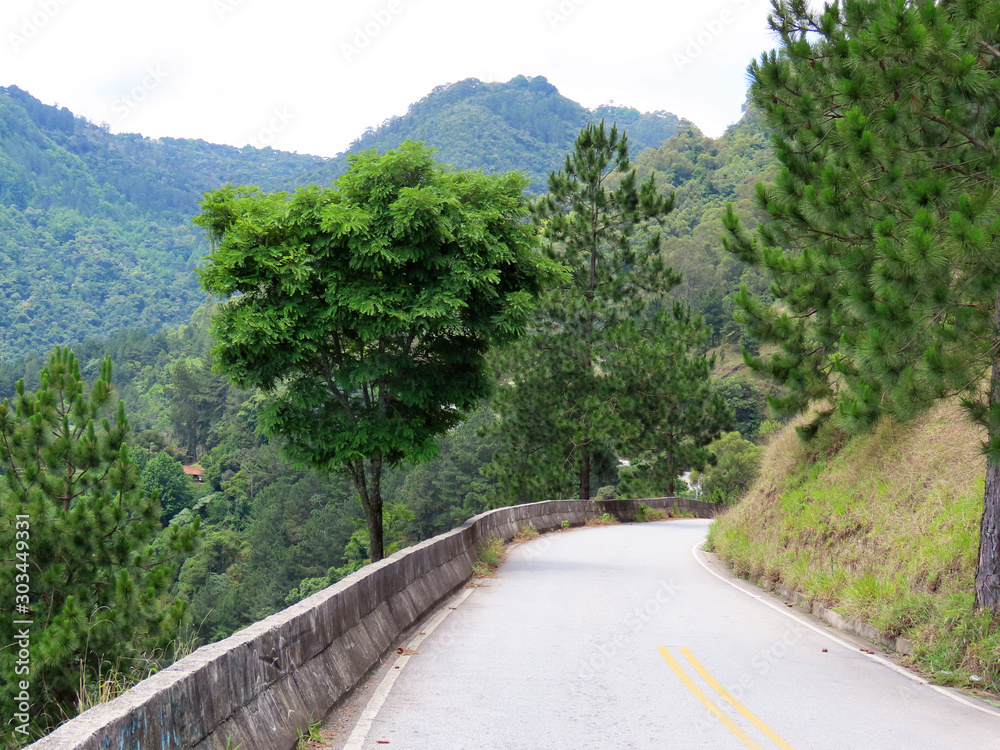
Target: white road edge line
360 733
696 552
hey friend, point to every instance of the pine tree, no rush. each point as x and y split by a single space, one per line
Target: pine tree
885 219
78 530
670 400
588 384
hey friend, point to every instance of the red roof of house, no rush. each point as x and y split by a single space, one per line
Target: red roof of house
194 470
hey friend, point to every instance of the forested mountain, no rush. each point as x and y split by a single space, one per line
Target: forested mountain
524 124
706 174
95 228
172 397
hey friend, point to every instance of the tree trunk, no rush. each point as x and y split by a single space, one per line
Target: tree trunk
370 495
585 475
988 565
672 482
988 569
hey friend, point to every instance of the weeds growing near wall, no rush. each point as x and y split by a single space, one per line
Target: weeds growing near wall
491 555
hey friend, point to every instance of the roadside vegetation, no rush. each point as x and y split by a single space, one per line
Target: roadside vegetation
882 527
491 556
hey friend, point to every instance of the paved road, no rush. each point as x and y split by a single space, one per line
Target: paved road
616 637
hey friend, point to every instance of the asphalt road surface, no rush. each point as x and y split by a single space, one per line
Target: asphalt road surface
623 637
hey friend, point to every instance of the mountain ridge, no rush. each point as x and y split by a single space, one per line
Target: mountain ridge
95 228
524 124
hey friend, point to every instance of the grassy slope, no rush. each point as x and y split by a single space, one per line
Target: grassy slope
882 527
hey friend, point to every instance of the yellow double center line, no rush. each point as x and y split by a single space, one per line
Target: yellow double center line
717 712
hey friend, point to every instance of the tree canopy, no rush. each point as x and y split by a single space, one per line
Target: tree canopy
605 364
86 573
365 311
884 218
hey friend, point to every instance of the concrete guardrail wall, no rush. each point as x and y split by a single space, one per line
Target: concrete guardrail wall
254 689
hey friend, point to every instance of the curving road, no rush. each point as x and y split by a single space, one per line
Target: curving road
624 637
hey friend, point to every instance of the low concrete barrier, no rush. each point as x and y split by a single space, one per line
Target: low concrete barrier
253 690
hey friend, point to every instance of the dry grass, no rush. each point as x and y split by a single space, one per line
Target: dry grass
883 527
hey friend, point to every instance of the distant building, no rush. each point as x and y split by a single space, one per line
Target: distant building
195 472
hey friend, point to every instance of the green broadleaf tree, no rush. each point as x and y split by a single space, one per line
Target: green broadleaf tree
365 311
162 476
885 219
737 464
94 582
587 385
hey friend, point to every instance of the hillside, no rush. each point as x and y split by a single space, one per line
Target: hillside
97 234
524 124
95 230
705 174
882 527
160 178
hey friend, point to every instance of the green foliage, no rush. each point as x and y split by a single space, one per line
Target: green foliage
608 492
705 174
491 555
97 232
296 526
310 734
884 219
605 519
589 382
446 492
365 311
305 520
96 584
674 404
878 287
162 477
95 227
737 463
768 427
746 399
197 398
357 553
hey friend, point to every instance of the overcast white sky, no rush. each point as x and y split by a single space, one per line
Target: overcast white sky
311 76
